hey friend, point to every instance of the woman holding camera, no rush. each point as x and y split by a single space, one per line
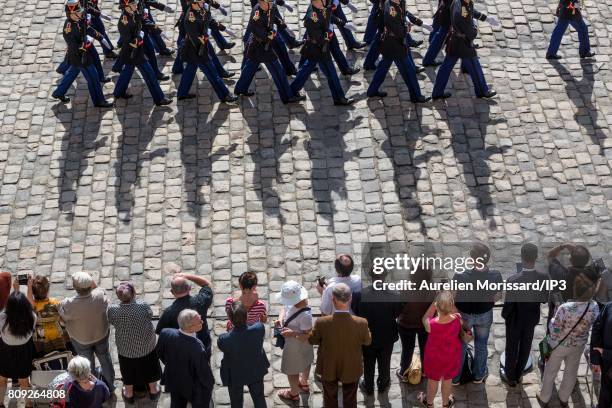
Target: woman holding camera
17 323
295 324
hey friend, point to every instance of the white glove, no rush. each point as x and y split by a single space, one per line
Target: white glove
141 35
208 32
427 27
89 39
168 9
493 21
105 17
88 18
351 7
105 43
349 26
223 10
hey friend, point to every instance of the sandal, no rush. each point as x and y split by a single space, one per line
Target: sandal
422 398
305 388
451 401
286 395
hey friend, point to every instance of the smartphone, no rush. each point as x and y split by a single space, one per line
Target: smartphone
22 278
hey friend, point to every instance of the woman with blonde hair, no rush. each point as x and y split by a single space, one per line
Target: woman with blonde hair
443 349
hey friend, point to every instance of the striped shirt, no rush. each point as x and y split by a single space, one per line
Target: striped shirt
254 312
134 333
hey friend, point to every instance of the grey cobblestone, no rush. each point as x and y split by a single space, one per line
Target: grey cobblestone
137 193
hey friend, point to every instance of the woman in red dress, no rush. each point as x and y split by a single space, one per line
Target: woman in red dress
443 349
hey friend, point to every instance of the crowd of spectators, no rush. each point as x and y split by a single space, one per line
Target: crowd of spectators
355 335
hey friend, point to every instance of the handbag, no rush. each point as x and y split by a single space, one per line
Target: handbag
280 340
546 349
414 373
467 375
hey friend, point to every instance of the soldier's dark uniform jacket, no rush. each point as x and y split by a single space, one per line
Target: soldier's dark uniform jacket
76 52
196 25
261 24
463 31
442 15
379 17
316 22
129 30
569 9
393 39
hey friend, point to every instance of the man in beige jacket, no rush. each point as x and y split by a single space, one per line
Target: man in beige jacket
340 338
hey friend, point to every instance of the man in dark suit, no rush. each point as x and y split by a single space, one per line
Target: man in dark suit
244 359
341 337
522 314
381 309
187 374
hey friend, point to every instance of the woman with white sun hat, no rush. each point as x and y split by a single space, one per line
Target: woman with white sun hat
295 324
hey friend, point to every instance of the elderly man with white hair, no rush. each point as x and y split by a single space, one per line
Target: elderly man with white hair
87 324
180 287
187 374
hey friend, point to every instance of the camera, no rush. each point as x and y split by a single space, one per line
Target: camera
22 278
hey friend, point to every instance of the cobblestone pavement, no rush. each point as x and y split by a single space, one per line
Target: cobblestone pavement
134 192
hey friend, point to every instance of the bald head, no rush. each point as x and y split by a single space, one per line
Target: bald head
180 286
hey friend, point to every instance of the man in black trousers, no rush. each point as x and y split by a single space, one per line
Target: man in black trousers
522 314
381 309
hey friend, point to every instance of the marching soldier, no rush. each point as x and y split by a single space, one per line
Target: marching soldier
132 55
77 36
178 66
460 44
316 52
371 57
148 28
395 50
259 49
441 26
568 13
280 41
195 53
334 45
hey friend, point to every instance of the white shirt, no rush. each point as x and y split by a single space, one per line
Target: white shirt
353 282
192 334
302 322
8 338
